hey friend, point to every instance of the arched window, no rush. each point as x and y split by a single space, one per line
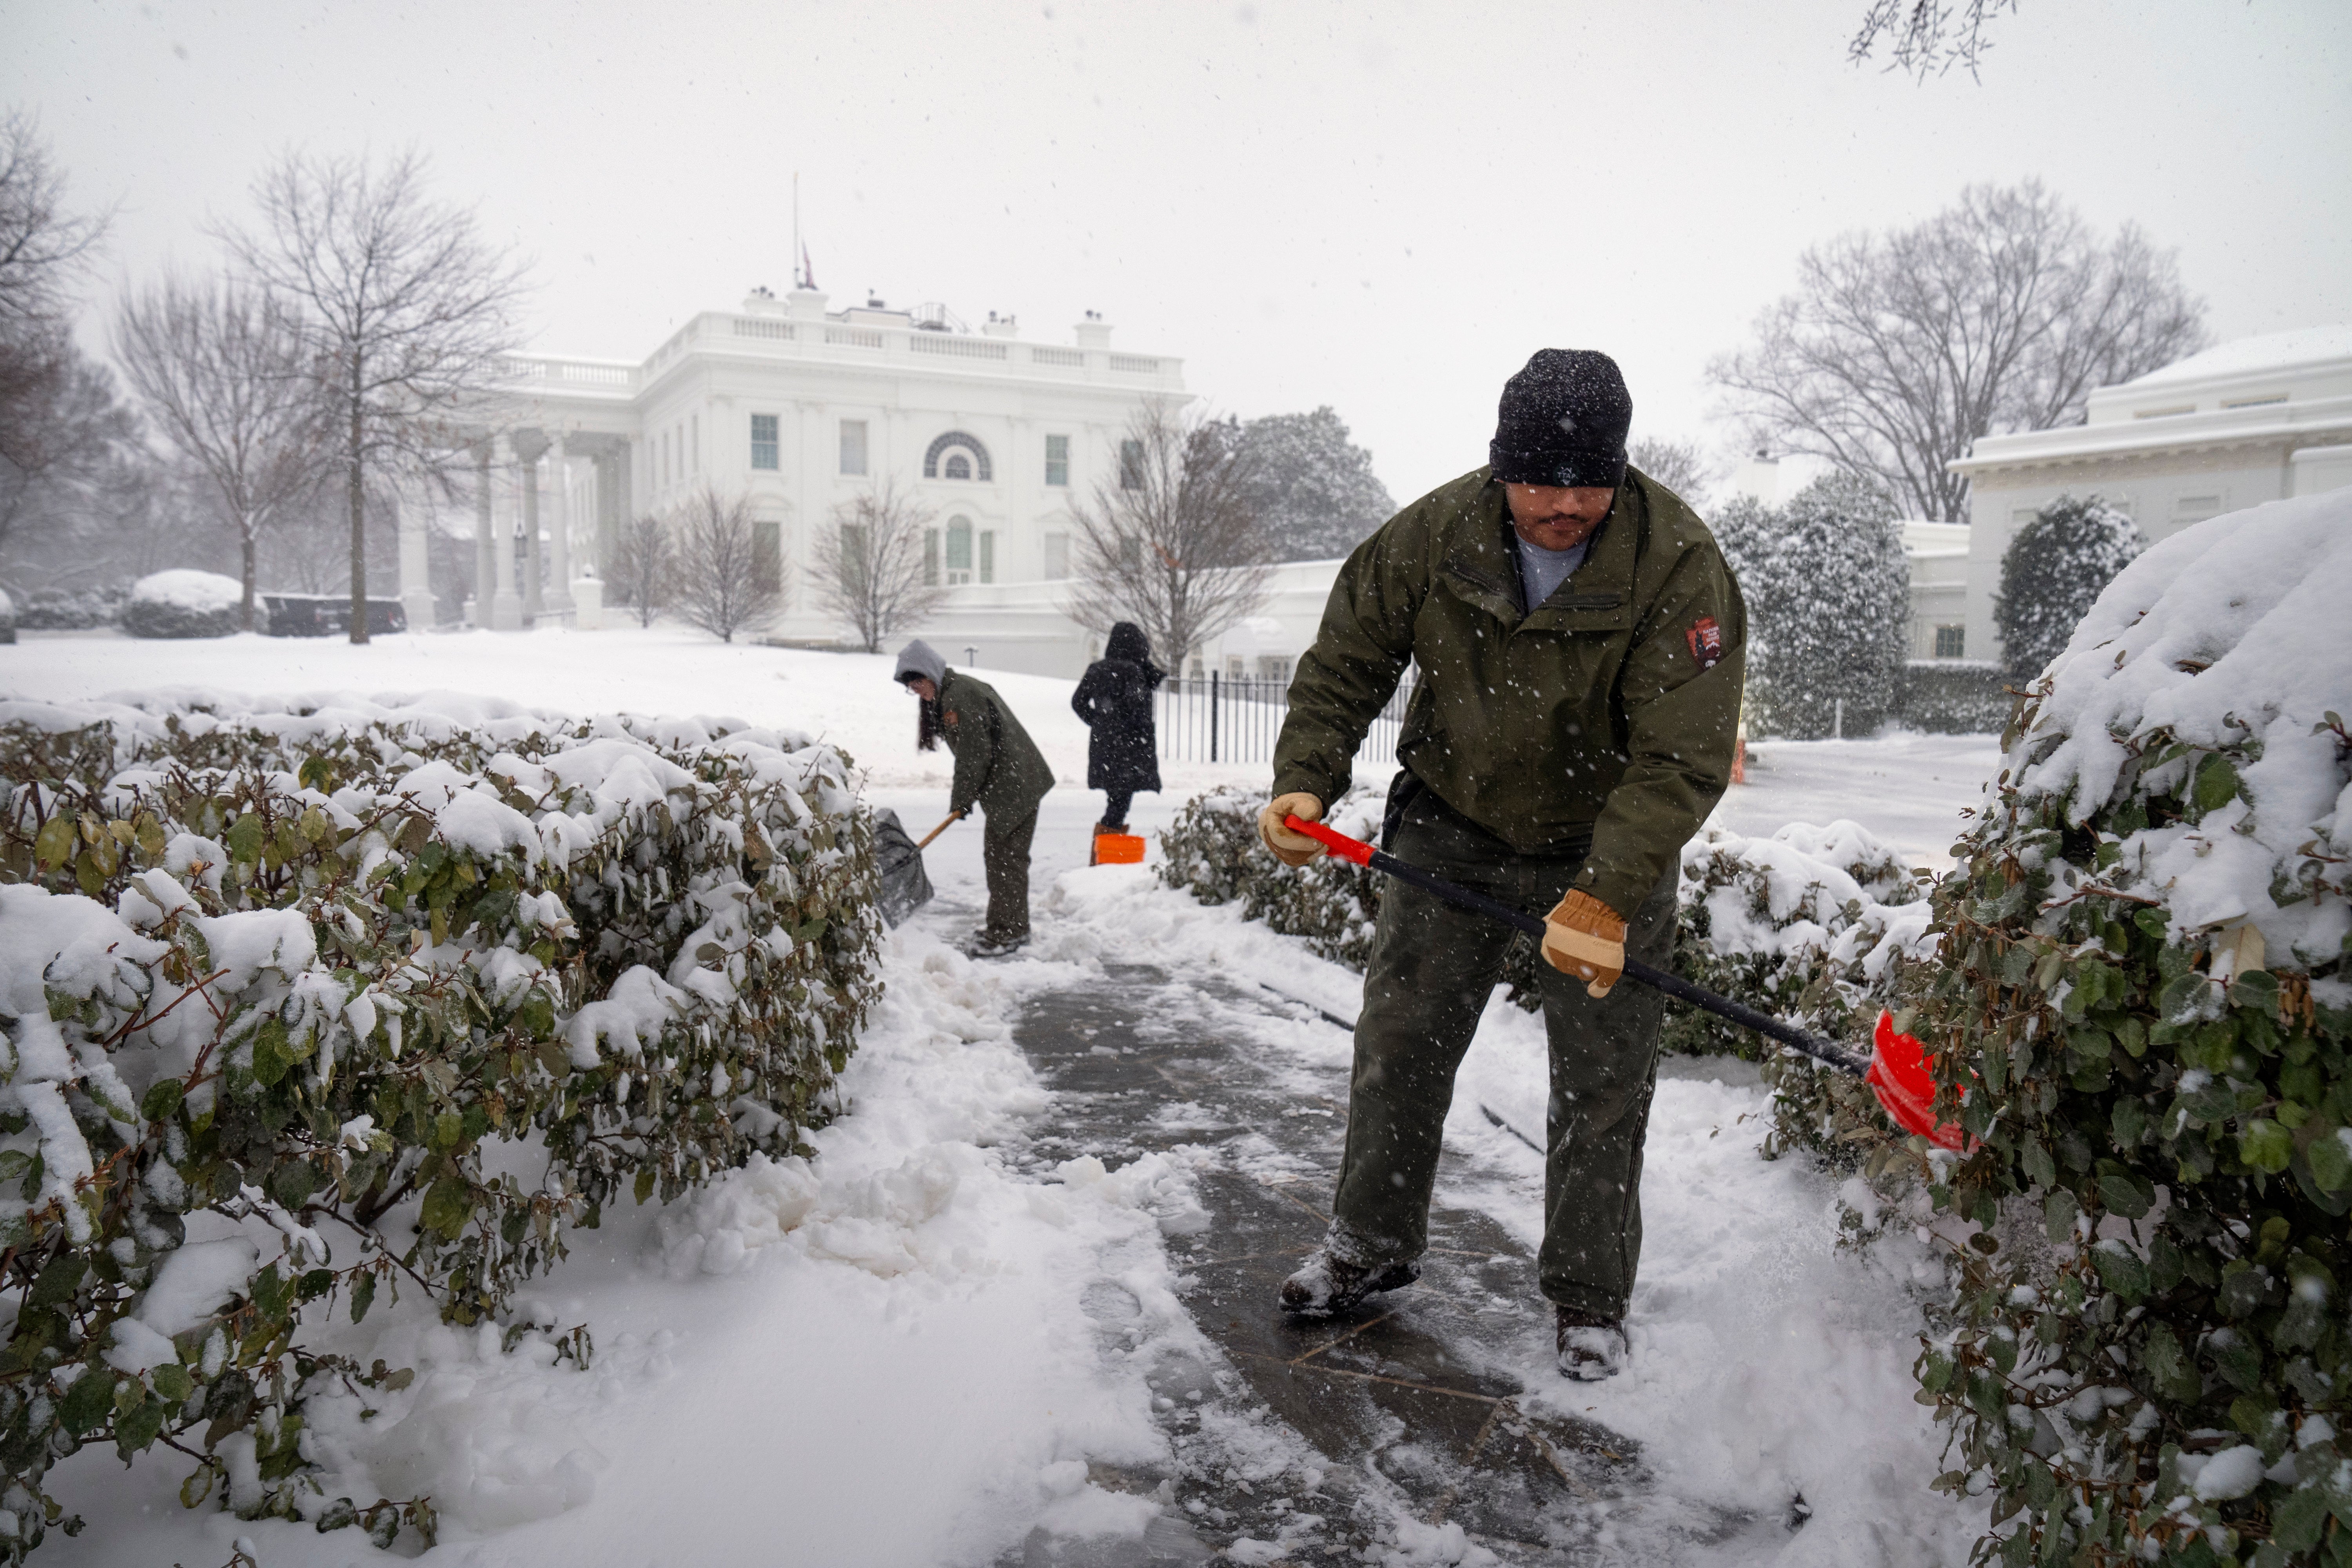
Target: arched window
966 447
958 465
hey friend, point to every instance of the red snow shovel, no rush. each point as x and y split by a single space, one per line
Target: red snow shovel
1897 1068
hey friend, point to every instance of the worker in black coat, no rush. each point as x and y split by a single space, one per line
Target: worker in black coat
1114 697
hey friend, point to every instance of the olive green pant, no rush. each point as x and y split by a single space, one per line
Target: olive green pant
1004 855
1433 967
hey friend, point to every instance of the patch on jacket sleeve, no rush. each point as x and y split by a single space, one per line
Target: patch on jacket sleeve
950 716
1705 642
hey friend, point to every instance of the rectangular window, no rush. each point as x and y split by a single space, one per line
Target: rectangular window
988 557
959 551
2256 402
1058 460
852 446
767 552
1951 642
1130 465
930 558
2196 508
1058 556
764 441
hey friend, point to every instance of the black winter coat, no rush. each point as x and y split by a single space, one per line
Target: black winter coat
1114 697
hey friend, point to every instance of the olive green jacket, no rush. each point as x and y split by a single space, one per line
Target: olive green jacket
997 764
1610 710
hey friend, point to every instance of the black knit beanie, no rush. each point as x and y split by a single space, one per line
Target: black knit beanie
1563 421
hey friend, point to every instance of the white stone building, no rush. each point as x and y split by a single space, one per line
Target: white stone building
800 409
2260 419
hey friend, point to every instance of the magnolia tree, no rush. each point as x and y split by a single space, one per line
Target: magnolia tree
1312 489
643 568
726 577
2052 573
1171 543
870 571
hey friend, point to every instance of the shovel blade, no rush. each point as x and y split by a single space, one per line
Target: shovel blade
1899 1077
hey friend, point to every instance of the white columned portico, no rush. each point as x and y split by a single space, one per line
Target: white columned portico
506 604
415 563
530 446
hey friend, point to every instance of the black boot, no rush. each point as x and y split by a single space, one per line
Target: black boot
1591 1348
1328 1283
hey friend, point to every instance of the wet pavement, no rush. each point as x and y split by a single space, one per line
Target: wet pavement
1412 1402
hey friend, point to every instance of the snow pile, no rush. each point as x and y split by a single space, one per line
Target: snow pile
2214 669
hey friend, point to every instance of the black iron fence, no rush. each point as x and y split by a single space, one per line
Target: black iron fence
1237 718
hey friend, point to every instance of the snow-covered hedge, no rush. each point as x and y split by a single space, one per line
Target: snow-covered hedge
2143 993
290 996
61 610
183 602
1955 696
1812 922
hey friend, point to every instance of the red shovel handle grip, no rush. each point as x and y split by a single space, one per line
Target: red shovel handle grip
1337 842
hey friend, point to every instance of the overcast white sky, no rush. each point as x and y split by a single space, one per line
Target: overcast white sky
1384 207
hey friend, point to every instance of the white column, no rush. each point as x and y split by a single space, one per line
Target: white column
416 564
506 604
559 532
478 608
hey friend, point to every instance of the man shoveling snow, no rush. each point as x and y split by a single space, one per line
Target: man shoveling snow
1582 644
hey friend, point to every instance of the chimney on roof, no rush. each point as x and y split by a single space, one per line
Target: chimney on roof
1094 332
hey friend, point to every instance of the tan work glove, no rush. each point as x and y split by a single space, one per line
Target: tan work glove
1290 848
1586 938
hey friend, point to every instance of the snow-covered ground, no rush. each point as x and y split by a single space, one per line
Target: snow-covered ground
885 1358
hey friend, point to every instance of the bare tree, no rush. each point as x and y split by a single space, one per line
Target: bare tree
1679 466
643 568
2003 312
1926 37
406 309
43 247
64 437
1171 542
870 570
727 576
221 369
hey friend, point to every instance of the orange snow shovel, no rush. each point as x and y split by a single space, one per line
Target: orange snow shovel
952 818
1897 1068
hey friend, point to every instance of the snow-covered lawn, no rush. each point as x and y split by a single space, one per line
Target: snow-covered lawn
886 1360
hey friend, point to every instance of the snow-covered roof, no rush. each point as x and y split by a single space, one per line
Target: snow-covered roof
2243 356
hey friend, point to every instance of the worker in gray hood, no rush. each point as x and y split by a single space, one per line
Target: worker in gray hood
998 768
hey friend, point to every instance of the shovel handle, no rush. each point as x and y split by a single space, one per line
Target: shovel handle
954 817
1673 985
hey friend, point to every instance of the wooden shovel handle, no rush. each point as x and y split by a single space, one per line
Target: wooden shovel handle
954 817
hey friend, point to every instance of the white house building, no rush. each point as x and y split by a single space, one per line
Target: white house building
2260 419
799 409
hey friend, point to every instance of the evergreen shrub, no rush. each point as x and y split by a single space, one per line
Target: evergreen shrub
311 980
1829 595
2052 572
185 603
2143 1016
71 610
1955 696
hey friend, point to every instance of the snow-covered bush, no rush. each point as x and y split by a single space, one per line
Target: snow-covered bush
183 602
301 1005
2143 994
76 610
1955 696
2052 571
1828 596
